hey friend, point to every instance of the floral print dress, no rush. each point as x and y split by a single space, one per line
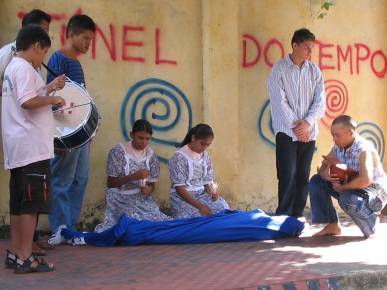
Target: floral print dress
128 199
194 174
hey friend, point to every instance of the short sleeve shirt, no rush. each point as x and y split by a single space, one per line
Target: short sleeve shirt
28 135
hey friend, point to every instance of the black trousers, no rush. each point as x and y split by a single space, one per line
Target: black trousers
293 161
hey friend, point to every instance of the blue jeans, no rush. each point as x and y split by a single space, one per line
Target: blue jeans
355 203
293 160
68 184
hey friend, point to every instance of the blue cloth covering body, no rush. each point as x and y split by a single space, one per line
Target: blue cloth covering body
226 226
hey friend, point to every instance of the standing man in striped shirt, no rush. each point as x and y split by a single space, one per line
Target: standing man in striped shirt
297 101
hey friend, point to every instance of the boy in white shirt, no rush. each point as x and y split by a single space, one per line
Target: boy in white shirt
27 131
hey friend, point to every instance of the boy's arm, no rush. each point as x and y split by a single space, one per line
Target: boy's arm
57 84
365 177
43 101
323 169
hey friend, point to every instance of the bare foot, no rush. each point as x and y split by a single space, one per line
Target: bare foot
37 249
329 230
43 244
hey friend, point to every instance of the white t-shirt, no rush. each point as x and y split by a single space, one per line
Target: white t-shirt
28 135
6 54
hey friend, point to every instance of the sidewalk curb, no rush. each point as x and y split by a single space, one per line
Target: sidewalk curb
364 280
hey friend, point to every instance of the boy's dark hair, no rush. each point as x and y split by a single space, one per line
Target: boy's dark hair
79 23
302 35
200 131
142 125
35 16
31 34
345 120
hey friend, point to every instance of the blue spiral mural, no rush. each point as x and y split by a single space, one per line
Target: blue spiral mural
374 134
161 103
265 127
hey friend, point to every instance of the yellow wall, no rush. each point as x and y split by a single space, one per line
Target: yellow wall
206 59
347 24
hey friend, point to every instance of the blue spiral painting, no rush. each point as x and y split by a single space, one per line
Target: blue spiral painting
374 134
162 104
265 127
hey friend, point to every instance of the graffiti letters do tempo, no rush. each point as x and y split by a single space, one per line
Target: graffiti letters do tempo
117 41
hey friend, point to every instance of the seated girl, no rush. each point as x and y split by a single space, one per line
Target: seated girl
193 191
132 169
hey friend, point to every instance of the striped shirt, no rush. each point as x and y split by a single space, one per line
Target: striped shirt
296 93
351 157
62 64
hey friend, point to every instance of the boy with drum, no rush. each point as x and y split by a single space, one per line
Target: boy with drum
363 195
37 17
27 131
70 168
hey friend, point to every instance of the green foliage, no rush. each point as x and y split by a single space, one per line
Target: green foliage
324 8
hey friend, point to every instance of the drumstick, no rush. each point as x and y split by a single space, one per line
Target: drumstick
55 74
50 70
58 110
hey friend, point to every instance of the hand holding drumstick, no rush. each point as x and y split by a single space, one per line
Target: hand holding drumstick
57 84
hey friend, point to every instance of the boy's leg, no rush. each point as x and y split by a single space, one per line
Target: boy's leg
304 159
78 187
28 196
355 204
323 211
15 233
62 172
286 159
321 204
27 224
15 207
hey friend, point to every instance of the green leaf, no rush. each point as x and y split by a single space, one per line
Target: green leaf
321 15
326 5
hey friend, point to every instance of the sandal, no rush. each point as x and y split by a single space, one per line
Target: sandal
25 266
10 260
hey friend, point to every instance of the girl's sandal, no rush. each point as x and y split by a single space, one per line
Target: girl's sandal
10 260
27 266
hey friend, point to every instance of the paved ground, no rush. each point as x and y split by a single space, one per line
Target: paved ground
346 262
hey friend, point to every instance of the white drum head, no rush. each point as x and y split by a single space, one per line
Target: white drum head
75 113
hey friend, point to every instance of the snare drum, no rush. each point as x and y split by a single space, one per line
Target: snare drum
76 123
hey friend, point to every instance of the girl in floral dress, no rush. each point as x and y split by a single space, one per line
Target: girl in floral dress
194 192
132 169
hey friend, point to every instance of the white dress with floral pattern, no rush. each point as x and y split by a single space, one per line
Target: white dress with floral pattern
194 174
128 198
